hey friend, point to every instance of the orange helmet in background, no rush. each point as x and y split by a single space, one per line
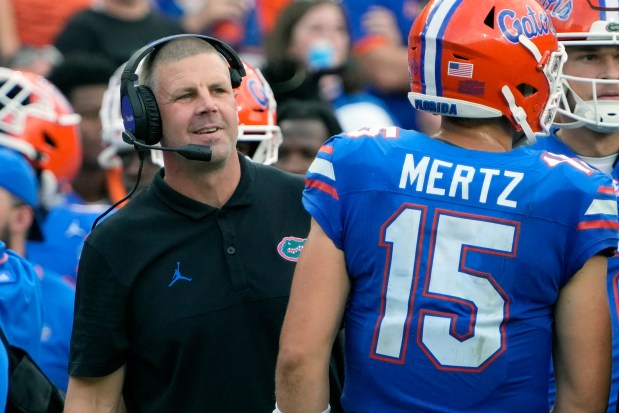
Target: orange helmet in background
257 112
486 59
37 121
584 23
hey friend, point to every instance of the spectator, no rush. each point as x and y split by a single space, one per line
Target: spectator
28 29
305 126
379 30
115 28
428 248
38 22
243 24
9 42
308 56
82 78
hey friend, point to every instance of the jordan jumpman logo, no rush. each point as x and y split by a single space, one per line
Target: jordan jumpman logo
177 275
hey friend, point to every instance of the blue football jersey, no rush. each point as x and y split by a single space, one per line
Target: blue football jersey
4 377
553 144
65 227
456 258
58 299
21 302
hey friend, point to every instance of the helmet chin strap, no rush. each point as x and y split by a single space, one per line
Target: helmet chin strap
519 114
597 115
587 110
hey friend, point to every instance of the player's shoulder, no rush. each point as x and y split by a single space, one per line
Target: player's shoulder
16 272
552 143
10 259
379 139
571 168
572 184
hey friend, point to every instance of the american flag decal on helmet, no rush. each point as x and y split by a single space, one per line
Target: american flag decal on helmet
460 69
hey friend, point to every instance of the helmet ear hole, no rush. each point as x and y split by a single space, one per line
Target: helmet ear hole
489 20
49 140
526 90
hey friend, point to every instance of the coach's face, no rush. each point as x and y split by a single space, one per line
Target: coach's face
197 104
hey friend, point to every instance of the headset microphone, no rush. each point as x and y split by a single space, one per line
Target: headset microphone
190 151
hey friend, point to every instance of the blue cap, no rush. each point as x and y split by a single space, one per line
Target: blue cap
18 178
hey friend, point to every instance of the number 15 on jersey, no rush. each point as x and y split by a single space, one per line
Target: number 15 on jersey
447 280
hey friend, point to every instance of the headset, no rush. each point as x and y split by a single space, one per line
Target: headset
138 105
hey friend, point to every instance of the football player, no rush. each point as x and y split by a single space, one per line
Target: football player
427 247
39 126
37 121
587 126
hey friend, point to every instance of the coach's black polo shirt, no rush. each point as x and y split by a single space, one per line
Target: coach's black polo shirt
191 297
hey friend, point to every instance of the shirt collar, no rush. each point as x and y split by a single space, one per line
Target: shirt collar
242 196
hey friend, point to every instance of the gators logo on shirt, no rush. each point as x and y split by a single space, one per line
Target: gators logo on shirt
290 248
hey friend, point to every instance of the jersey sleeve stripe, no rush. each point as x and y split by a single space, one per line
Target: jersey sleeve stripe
598 225
326 149
606 190
329 189
322 167
606 207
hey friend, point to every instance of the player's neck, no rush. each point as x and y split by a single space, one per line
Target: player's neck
17 243
486 136
586 142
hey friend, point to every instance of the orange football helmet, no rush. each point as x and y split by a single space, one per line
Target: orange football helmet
486 59
38 121
587 23
257 112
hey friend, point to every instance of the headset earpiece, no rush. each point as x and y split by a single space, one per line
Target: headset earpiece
235 77
151 122
138 104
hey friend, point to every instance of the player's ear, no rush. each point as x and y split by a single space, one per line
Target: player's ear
22 219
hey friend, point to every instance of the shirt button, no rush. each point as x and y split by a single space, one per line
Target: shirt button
231 250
